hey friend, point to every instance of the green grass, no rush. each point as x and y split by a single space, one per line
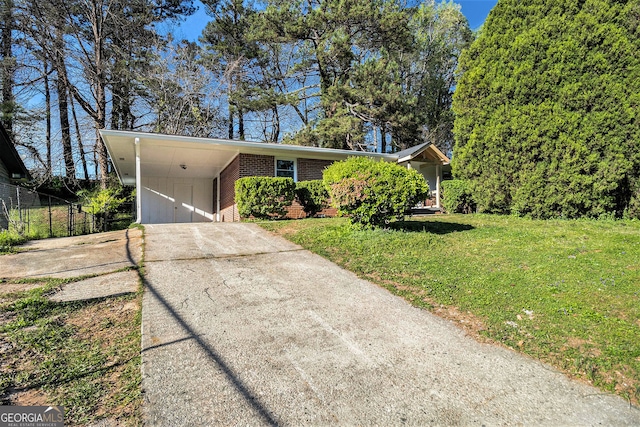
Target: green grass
565 292
83 355
34 222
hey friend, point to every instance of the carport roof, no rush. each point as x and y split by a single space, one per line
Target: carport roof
175 156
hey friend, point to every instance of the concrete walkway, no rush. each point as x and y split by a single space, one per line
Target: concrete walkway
243 328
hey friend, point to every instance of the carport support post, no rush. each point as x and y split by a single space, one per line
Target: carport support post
138 183
438 173
217 207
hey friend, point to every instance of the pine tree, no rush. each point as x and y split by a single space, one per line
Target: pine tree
379 74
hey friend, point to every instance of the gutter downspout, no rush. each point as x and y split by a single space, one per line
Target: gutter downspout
138 183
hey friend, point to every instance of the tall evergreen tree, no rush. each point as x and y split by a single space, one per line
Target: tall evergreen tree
547 118
356 74
407 93
338 36
441 33
227 39
91 53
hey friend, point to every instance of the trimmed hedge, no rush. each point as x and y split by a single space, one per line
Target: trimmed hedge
373 192
264 197
312 196
457 196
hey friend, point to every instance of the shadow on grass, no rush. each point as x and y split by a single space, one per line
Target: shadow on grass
5 394
430 227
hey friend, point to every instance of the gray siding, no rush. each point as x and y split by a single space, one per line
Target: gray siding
4 173
5 194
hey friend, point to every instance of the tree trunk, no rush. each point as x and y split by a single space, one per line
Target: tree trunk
115 105
63 106
8 66
83 157
241 124
47 100
101 106
383 139
375 137
121 115
275 134
230 122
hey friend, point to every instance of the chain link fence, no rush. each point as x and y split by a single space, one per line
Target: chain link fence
37 215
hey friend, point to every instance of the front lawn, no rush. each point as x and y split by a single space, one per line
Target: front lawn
83 355
565 292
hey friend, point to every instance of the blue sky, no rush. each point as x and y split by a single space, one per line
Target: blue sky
476 12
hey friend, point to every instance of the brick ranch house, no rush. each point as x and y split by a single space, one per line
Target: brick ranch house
187 179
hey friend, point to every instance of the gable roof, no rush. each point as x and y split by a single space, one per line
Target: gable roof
10 157
425 151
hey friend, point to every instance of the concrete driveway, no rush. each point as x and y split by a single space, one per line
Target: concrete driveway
244 328
67 257
108 260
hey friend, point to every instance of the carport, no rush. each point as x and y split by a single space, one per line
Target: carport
175 178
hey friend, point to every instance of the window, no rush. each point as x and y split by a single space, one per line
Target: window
286 168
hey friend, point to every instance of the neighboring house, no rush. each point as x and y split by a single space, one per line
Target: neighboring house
187 179
12 169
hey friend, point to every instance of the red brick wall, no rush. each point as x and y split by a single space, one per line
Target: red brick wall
243 165
228 178
295 211
309 169
256 165
259 165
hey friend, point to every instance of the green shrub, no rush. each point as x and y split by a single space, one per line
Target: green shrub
457 196
373 192
312 195
546 108
264 196
10 239
102 203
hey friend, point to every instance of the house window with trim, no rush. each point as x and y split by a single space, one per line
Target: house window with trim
286 168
